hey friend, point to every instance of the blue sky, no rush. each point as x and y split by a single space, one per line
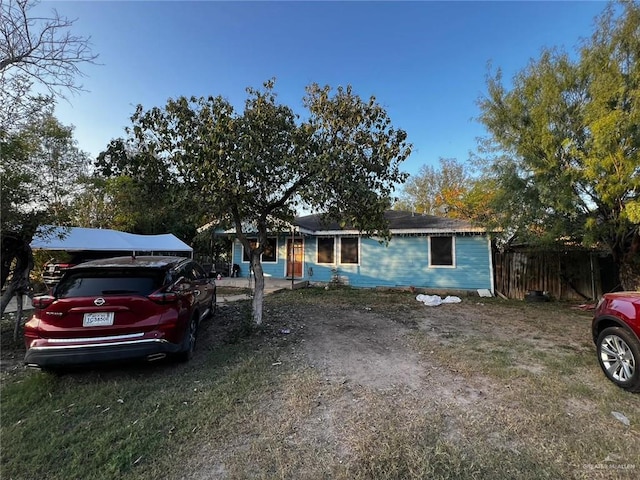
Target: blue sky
426 62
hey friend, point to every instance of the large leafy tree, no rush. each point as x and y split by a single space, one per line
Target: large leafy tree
257 167
135 191
449 191
41 167
568 136
432 190
35 149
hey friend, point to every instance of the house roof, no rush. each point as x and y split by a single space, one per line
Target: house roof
99 239
399 223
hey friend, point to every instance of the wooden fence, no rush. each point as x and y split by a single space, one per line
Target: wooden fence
571 275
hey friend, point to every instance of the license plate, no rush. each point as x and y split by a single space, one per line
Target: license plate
98 319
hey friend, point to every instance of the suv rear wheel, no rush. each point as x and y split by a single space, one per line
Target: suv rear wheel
189 340
213 307
619 357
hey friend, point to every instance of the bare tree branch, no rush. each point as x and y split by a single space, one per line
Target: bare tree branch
41 49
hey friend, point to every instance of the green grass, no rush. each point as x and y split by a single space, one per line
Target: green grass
237 411
111 424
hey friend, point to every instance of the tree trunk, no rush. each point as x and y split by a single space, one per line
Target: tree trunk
258 293
6 297
630 265
10 244
16 327
630 276
19 284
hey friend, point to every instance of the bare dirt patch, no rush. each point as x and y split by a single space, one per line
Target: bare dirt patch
374 346
362 348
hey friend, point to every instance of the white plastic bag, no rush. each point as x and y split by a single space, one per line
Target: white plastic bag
435 300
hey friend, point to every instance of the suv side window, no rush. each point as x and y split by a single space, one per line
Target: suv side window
199 272
188 273
192 272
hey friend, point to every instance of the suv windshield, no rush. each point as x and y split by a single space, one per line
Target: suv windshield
92 283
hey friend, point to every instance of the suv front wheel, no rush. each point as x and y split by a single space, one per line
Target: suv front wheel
619 355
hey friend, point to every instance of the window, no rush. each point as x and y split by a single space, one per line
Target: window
270 250
441 251
326 250
245 253
349 250
197 271
103 282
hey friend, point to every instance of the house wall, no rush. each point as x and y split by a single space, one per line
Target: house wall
404 261
273 269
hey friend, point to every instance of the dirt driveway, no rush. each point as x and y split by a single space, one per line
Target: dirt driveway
413 346
479 389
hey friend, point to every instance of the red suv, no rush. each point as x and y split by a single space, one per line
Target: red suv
118 309
616 333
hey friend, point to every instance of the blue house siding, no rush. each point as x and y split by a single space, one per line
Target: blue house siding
404 261
274 269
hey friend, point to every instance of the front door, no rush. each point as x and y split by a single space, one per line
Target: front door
295 257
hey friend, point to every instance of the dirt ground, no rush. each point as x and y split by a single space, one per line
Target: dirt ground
406 360
373 346
512 378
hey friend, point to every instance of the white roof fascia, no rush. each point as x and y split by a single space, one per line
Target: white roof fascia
409 231
417 231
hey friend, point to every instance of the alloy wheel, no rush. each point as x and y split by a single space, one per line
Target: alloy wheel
617 358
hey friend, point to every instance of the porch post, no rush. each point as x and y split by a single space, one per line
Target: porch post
293 254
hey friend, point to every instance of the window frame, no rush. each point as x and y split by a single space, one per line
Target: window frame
358 250
453 252
252 241
333 250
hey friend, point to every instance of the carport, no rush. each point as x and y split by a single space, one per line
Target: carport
75 239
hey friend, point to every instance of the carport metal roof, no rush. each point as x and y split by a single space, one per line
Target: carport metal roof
98 239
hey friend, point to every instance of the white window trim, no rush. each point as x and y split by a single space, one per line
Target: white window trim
453 253
335 245
339 256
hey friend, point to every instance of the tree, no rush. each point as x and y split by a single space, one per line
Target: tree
435 192
568 140
33 51
38 180
449 191
256 168
126 182
42 50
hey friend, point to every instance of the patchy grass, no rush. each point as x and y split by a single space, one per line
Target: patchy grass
233 291
506 390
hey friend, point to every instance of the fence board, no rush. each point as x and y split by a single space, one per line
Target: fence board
572 275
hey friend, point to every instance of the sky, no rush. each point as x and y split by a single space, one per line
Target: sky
425 62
